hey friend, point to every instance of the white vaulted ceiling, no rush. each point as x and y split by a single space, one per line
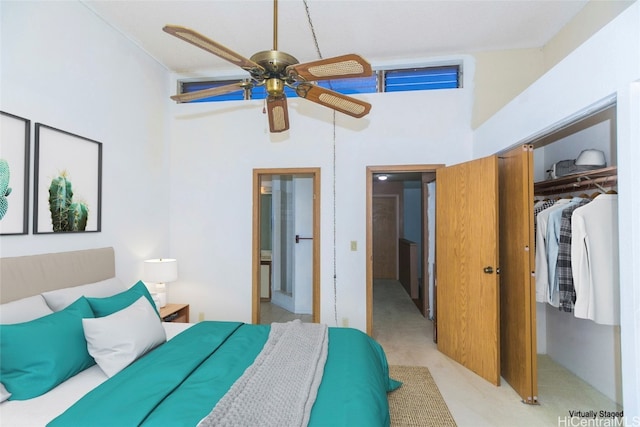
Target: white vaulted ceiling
381 31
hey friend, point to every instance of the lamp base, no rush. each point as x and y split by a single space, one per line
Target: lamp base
162 299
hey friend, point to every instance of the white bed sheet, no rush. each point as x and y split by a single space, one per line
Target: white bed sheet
42 409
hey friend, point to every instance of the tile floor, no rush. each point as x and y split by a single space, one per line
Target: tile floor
407 338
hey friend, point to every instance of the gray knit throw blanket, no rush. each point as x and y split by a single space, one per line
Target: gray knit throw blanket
281 385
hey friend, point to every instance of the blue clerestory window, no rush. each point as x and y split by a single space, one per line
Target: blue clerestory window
398 80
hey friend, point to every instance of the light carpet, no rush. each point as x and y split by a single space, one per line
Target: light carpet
418 403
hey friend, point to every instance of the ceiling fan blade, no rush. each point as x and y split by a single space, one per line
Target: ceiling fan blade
337 101
206 93
338 67
209 45
277 113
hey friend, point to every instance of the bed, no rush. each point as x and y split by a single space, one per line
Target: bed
80 348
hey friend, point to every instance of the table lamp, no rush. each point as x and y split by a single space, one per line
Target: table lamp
161 271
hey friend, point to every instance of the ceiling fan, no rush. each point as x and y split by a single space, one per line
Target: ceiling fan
276 70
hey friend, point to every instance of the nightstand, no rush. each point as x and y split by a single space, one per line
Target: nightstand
178 313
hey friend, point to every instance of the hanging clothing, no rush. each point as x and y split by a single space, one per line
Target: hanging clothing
537 208
564 275
594 260
542 265
553 243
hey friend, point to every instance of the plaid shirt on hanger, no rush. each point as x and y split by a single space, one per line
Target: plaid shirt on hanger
566 290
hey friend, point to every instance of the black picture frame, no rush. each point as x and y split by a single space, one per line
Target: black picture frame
68 182
14 194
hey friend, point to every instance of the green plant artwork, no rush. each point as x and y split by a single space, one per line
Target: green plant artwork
66 214
5 190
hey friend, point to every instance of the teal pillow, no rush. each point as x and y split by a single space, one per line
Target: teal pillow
105 306
38 355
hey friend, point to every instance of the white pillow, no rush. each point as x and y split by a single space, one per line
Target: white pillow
4 394
61 298
116 340
23 310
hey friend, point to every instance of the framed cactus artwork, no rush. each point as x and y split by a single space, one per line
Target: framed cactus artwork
14 174
68 182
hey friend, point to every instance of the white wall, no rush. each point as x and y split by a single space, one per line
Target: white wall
215 148
569 339
607 64
64 67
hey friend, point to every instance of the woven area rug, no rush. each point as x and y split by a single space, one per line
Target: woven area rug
418 403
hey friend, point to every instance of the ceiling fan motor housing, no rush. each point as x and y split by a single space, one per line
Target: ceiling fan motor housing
275 64
274 61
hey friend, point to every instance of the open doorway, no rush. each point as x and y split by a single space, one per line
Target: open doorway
393 230
286 245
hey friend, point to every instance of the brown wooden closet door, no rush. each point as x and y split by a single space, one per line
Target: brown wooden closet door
466 245
517 287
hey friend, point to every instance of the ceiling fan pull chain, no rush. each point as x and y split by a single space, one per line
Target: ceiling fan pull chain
335 271
313 30
315 39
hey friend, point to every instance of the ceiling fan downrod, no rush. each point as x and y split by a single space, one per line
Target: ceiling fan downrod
275 24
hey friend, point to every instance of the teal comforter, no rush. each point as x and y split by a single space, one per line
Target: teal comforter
179 383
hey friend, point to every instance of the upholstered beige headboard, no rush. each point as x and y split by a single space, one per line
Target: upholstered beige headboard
25 276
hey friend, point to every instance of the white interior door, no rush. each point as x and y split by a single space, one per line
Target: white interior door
292 255
303 248
282 206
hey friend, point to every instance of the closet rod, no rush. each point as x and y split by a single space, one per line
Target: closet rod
581 183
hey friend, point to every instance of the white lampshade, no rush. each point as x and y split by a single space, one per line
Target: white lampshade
161 270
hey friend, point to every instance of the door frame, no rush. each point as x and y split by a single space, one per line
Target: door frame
371 170
255 297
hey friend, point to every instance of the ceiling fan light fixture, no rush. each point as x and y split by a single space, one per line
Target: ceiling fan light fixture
274 86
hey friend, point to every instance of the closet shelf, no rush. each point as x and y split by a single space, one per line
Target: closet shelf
605 177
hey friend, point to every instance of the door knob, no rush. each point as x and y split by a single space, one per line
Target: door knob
488 270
